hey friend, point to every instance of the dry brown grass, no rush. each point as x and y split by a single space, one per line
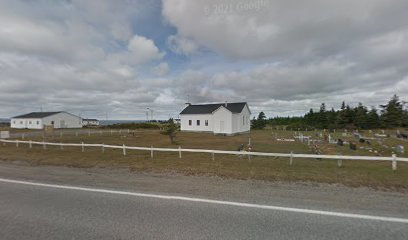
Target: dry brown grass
353 173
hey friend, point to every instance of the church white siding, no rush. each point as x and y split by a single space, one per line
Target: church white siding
220 119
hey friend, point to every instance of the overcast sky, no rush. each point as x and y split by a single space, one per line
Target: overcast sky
116 58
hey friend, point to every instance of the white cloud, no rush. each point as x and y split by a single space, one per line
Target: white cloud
281 28
283 56
161 70
143 50
291 89
182 45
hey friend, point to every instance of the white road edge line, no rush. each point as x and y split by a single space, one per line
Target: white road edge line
209 201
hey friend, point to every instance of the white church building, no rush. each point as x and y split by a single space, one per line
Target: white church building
37 120
219 118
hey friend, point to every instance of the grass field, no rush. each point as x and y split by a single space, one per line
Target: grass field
352 173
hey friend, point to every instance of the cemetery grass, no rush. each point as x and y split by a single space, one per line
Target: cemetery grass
352 173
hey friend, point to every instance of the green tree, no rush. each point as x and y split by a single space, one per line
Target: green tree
310 118
332 117
392 113
170 129
373 119
261 116
349 117
260 122
323 118
341 120
360 116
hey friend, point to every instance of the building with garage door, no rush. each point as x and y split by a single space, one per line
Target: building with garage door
218 118
38 120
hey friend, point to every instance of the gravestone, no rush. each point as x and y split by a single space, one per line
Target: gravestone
400 149
4 134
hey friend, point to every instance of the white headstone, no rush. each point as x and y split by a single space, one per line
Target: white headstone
4 134
400 149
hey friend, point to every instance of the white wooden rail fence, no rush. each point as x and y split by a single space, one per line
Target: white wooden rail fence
394 159
75 132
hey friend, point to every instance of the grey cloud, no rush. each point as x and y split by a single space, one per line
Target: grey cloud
284 28
78 55
306 52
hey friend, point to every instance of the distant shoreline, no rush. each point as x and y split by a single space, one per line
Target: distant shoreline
111 122
101 122
4 120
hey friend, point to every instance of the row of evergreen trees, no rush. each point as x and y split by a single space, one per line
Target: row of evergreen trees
391 115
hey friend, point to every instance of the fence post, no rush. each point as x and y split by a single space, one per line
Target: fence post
151 152
213 156
103 148
291 159
394 162
128 131
61 134
23 136
30 144
44 145
339 163
111 131
83 147
124 150
179 152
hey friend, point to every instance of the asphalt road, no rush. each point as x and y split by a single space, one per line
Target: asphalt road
54 212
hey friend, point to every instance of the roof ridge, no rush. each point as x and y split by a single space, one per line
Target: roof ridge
204 104
37 114
235 107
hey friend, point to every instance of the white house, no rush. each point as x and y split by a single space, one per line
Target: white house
90 122
220 118
37 120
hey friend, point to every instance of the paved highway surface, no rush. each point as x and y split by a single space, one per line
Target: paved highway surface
116 204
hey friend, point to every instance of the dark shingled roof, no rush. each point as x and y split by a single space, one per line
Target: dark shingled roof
90 119
209 108
37 115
